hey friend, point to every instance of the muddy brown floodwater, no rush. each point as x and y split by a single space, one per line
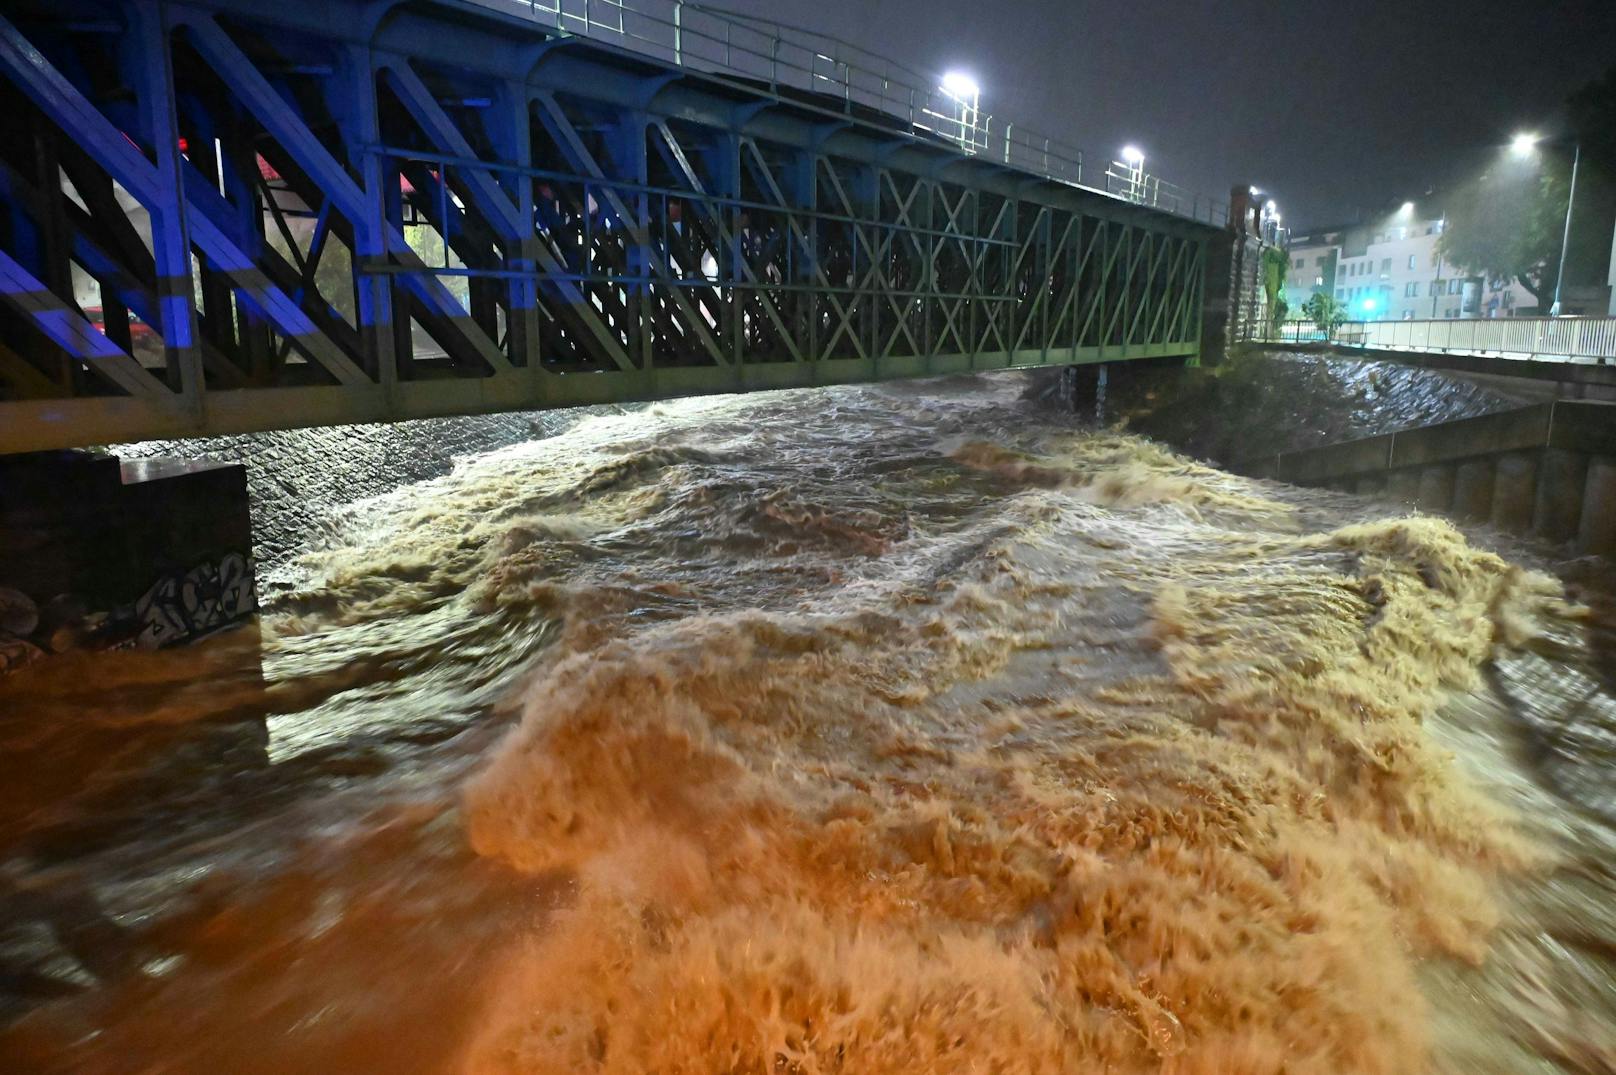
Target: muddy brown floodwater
865 730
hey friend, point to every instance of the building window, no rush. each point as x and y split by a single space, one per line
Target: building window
1340 294
1319 260
1298 264
1411 290
1411 261
1455 286
1318 281
1385 264
1436 288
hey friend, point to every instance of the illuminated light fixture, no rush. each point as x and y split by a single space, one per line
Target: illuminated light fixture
1368 305
1255 192
1523 144
961 86
1407 209
1133 155
1272 206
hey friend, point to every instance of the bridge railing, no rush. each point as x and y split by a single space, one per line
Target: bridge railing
789 57
1553 339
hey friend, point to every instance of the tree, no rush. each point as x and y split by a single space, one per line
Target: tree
1509 223
1506 225
1275 264
1325 312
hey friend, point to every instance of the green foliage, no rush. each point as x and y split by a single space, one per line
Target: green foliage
1275 264
1507 224
1325 312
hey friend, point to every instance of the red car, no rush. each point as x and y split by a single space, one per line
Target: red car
139 331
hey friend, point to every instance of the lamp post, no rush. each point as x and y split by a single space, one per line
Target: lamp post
1565 234
1270 221
1134 158
1522 145
964 90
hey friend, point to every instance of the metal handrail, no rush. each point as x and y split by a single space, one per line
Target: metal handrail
1558 339
716 41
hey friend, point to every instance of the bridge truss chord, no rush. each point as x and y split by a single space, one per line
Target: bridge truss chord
223 216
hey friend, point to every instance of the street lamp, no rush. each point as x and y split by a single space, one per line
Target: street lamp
1522 145
1407 209
1134 158
964 89
1565 233
1268 221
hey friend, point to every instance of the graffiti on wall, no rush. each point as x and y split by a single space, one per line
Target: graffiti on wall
185 604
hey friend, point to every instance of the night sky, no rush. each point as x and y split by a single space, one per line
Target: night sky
1335 107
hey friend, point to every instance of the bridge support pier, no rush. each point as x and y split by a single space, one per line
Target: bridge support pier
1371 485
1598 531
1514 491
146 552
1403 486
1473 489
1436 487
1560 479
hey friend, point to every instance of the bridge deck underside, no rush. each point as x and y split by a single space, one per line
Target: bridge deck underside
226 216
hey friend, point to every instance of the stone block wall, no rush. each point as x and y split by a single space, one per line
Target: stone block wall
1235 303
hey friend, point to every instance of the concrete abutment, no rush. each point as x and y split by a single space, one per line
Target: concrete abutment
110 554
1548 469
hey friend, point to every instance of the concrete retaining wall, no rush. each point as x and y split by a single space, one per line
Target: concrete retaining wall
1548 469
103 553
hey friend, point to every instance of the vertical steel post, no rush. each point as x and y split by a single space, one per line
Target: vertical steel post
148 61
1565 235
359 122
513 138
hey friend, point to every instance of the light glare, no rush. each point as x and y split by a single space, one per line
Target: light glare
960 85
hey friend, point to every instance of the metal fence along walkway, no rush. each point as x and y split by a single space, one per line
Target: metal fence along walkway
716 41
1544 339
225 215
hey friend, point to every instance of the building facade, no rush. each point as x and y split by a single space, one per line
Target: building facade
1392 270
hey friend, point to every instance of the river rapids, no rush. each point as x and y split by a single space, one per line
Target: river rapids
915 728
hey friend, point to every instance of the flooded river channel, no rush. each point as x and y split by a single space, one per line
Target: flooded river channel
914 728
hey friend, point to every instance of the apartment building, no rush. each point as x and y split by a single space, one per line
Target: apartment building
1391 270
1314 258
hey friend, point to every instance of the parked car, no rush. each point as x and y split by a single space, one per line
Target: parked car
139 331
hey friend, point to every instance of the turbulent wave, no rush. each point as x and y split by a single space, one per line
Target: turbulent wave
1130 768
867 730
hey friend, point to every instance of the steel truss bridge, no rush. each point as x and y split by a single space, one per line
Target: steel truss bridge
233 215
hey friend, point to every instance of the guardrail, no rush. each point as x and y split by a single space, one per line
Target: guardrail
734 44
1556 339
